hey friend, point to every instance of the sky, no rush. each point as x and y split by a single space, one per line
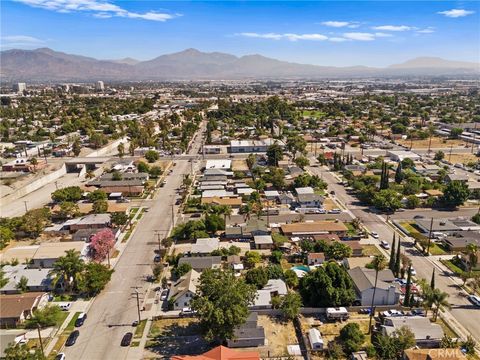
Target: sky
335 33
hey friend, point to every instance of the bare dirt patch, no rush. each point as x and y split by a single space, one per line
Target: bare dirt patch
437 142
278 333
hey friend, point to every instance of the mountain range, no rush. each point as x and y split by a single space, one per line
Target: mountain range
45 64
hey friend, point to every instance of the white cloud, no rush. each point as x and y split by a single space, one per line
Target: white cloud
392 28
456 13
380 34
427 30
98 8
287 36
337 39
21 41
359 36
339 24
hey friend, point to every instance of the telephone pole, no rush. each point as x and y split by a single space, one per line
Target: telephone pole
138 304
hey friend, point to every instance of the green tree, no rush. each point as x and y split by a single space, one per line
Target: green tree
391 263
352 338
302 162
71 193
76 147
329 285
67 269
387 200
296 144
378 264
94 278
439 155
476 218
22 352
151 156
257 276
274 154
399 174
181 270
408 289
291 279
412 202
121 150
143 167
222 303
97 195
455 194
100 206
155 172
22 284
119 218
290 305
50 315
274 271
3 280
68 209
34 221
472 254
252 258
338 251
456 132
392 347
469 345
6 235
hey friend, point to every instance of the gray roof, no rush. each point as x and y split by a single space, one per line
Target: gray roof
36 277
110 183
463 238
310 197
439 225
263 239
201 262
364 278
187 282
205 245
125 176
276 285
94 219
421 327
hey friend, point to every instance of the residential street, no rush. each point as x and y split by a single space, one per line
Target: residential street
462 310
114 310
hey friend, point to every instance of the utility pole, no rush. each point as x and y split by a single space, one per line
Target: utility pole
138 304
56 185
159 243
41 341
474 136
450 154
25 203
108 258
430 237
430 144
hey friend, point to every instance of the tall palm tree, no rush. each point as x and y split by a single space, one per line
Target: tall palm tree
472 253
247 210
67 269
378 264
440 300
226 211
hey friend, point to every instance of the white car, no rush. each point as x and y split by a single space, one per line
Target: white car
384 244
413 272
335 211
65 306
374 235
60 356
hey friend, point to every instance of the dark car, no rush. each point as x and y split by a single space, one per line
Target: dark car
178 202
80 320
72 338
127 339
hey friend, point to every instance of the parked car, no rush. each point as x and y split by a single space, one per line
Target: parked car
72 338
186 311
66 306
413 272
419 217
60 356
335 211
157 258
164 294
135 323
374 234
384 244
80 319
474 299
127 339
418 312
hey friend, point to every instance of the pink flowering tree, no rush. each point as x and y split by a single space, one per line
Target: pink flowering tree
101 244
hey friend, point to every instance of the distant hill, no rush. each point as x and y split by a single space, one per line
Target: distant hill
48 65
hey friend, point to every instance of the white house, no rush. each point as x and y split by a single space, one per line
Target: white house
182 292
387 292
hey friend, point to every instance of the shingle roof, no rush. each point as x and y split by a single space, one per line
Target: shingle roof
11 306
365 278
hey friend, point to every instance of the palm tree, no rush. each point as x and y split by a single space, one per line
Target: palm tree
378 264
22 284
247 210
67 269
440 300
472 253
226 211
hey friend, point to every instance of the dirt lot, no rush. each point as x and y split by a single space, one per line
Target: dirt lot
169 337
330 330
279 334
239 165
461 158
437 142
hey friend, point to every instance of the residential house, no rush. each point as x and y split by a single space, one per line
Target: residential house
22 254
357 248
456 177
183 290
200 263
285 198
310 200
38 279
276 287
438 225
400 155
249 334
204 246
12 336
16 308
253 227
427 334
221 353
92 221
223 164
315 259
263 242
263 300
48 253
234 202
459 240
386 293
314 228
252 146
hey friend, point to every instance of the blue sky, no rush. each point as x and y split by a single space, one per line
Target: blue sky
339 33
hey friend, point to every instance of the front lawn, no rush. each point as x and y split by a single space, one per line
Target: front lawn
140 328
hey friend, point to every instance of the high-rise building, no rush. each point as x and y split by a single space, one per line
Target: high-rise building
19 87
99 86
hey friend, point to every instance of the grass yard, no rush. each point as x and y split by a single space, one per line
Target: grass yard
58 346
435 249
176 327
71 324
371 250
461 158
448 331
140 328
313 113
452 267
135 344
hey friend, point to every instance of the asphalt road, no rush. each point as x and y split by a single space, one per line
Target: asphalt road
462 310
114 310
